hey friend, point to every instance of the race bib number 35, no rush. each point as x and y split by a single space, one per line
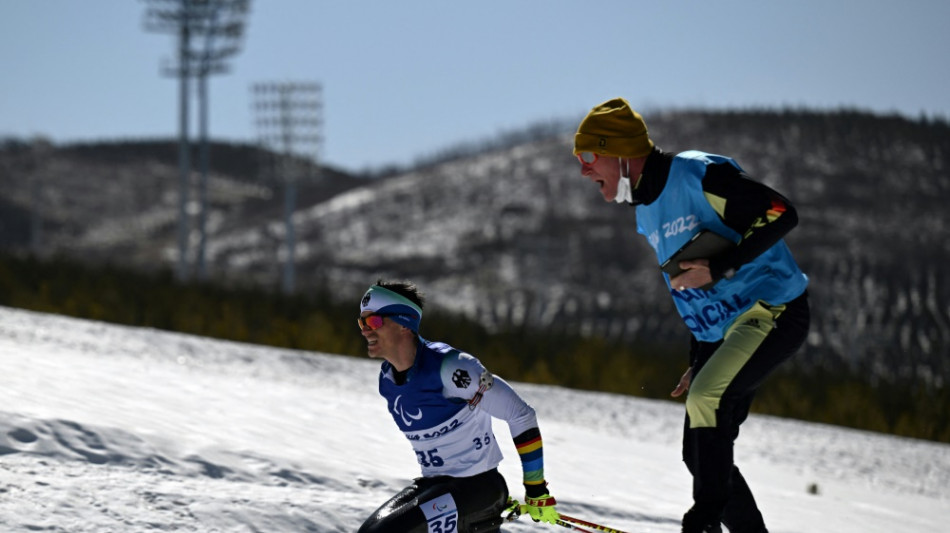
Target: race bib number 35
441 514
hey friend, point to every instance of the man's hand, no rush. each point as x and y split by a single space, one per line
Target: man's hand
695 274
541 509
683 385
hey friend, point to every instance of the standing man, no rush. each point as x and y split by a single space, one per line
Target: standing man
443 400
746 308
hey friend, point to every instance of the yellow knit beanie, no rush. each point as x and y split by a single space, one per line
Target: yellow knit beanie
613 128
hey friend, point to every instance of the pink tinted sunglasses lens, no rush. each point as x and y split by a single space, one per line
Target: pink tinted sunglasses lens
370 322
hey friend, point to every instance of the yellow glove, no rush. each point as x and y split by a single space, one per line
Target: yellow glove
541 509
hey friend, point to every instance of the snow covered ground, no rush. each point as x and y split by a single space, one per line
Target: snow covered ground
114 429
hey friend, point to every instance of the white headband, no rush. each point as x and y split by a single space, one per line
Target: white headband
382 300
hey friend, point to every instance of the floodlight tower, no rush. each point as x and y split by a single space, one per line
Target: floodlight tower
289 122
222 29
178 16
213 19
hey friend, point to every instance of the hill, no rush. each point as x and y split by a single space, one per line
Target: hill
512 237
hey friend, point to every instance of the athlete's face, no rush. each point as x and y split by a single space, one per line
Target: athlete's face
605 172
381 342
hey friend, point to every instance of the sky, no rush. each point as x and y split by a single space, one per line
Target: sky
403 80
110 428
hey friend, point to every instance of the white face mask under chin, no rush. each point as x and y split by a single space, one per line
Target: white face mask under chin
624 193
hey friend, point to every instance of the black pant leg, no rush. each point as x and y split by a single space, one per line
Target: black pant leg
478 498
741 514
719 489
399 513
481 502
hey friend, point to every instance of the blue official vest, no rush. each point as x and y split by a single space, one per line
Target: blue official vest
680 212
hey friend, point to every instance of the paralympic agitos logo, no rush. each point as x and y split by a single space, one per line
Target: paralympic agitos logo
397 409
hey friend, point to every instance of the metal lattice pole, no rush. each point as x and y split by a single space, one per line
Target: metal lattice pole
289 122
223 31
187 19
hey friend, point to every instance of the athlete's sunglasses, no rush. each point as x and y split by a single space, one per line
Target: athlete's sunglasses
373 321
587 158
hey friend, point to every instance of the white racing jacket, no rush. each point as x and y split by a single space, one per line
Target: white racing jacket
442 414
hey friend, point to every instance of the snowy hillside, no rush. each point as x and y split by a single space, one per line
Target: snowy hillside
106 428
511 235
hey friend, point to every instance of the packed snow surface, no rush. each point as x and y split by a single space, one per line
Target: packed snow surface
115 429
